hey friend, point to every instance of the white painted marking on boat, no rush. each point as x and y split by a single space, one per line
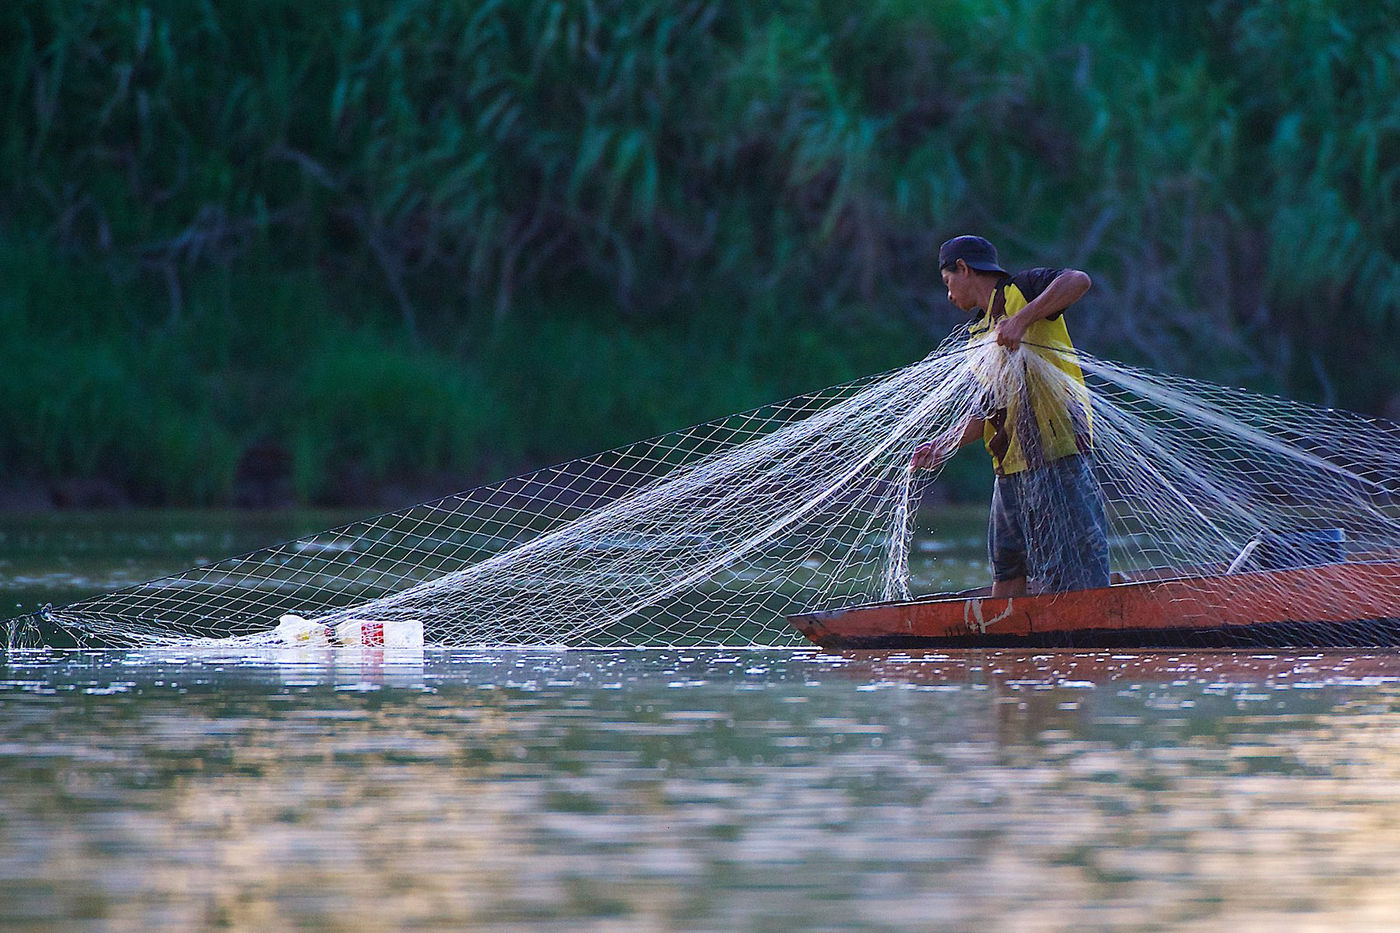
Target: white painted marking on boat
972 615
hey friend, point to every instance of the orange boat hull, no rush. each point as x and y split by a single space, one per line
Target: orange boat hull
1331 604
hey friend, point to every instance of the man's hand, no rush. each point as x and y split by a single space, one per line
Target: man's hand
930 455
1011 330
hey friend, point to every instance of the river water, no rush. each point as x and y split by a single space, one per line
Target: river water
345 789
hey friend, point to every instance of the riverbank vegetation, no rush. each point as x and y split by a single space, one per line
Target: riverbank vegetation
302 251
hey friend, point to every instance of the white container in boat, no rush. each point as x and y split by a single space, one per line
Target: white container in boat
301 633
375 633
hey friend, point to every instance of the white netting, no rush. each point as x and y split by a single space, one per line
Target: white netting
711 535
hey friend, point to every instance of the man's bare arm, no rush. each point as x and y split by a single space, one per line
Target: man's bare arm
931 454
1067 288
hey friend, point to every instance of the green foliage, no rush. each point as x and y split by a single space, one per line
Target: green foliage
511 230
81 402
375 407
583 382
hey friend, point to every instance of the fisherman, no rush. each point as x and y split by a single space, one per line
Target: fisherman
1047 519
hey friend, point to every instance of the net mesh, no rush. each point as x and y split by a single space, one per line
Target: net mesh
713 534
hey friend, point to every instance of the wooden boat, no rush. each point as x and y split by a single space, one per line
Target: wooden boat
1340 604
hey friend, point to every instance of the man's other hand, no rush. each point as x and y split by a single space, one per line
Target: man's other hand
929 455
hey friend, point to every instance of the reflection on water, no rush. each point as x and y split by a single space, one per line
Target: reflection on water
59 557
653 790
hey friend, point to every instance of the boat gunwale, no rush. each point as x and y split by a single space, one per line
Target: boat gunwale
1269 600
1144 577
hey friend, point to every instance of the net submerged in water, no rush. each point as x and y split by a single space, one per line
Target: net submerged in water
714 534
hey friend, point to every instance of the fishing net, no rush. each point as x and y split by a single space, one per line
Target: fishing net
714 534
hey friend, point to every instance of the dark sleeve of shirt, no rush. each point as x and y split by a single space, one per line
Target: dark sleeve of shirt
1032 282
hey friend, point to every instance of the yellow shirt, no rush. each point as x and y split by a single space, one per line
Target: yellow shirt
1048 415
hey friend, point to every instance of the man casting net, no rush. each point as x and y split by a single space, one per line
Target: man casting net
714 534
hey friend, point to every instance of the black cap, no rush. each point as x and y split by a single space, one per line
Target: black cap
973 250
